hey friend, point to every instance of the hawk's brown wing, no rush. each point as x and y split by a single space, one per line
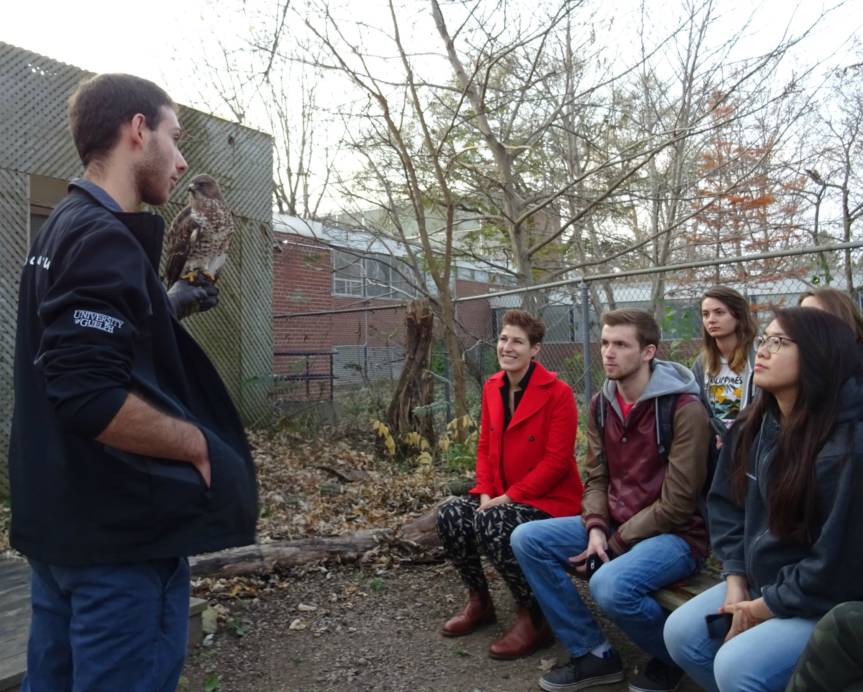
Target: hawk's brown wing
179 244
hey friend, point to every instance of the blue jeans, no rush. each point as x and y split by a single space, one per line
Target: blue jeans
108 627
761 658
621 588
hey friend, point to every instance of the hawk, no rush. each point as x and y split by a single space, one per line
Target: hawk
200 234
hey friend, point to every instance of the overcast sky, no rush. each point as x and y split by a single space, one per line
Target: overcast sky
161 39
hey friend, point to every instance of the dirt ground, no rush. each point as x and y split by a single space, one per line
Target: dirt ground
352 627
359 628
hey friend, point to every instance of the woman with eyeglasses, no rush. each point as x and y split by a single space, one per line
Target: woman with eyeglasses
785 511
833 658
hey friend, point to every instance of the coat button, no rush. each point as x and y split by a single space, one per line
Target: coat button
623 439
530 438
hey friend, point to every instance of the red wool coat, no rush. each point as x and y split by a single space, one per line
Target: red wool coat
533 460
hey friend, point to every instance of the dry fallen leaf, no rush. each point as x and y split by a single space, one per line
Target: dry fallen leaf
546 664
293 473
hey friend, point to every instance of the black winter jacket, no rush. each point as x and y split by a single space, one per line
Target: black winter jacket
797 580
94 324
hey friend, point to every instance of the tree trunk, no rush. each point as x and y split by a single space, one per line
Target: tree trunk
412 542
423 530
415 386
265 557
846 237
457 374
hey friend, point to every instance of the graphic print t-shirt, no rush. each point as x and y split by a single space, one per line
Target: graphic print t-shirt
725 393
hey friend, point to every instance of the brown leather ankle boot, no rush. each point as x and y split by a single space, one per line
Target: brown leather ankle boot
526 635
478 611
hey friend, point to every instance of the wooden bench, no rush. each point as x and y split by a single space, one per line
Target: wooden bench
676 595
15 621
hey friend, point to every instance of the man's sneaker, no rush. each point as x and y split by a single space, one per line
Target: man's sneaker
583 672
657 677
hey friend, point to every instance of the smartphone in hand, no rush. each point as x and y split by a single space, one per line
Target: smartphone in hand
718 624
593 563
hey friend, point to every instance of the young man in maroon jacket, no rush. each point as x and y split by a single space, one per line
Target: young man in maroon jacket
639 520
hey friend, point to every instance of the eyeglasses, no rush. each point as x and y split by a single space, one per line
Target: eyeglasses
772 343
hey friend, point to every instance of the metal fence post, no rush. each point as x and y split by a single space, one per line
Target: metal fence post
366 361
585 339
446 387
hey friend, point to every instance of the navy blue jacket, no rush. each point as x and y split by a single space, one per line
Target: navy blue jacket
94 324
797 580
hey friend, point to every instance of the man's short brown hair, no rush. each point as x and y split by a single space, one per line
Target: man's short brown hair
533 326
646 328
102 104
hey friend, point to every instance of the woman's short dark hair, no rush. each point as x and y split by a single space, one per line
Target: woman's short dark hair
838 303
102 104
828 357
533 326
745 330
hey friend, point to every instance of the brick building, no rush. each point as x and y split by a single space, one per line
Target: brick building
319 270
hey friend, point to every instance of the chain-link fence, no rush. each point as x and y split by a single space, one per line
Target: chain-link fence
38 157
357 376
672 295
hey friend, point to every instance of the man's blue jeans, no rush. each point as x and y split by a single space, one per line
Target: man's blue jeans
108 627
621 588
760 659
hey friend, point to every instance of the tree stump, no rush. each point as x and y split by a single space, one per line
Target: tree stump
416 385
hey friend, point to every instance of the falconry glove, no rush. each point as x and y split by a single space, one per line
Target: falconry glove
188 298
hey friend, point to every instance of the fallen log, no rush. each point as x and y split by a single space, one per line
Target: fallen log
417 537
423 530
265 557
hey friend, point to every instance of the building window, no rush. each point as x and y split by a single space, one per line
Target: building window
402 279
347 274
372 276
378 277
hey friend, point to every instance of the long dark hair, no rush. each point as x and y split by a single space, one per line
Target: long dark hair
745 331
828 356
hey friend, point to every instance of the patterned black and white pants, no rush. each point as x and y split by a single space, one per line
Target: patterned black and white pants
466 534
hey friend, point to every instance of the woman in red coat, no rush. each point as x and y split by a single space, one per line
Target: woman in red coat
525 470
